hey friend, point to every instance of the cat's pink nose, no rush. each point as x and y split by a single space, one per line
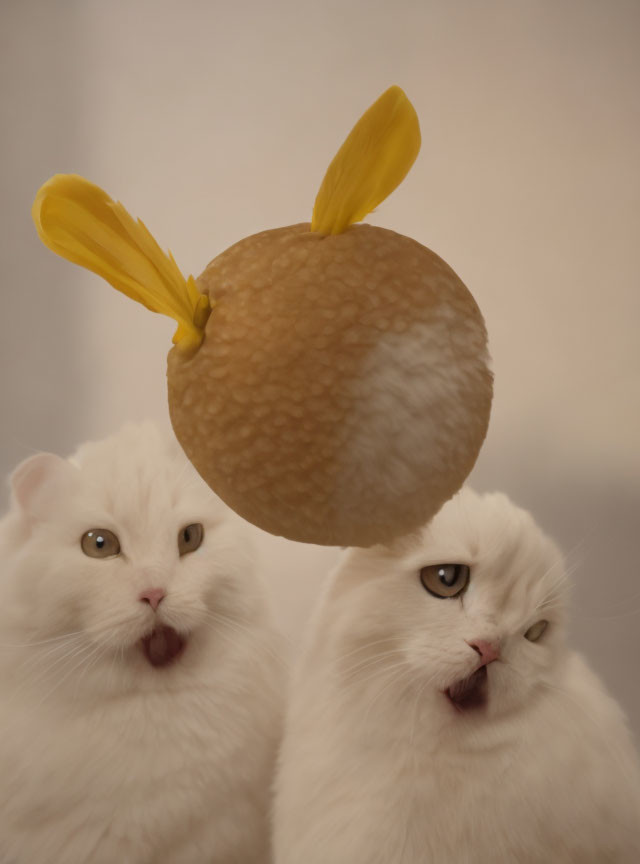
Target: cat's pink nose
152 596
488 651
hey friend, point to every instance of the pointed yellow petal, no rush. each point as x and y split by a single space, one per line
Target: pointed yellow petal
80 222
374 159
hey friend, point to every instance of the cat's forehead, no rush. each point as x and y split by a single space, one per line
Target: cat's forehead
140 474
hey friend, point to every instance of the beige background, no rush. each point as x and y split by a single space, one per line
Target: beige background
212 120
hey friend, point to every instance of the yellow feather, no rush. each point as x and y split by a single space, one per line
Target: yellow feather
374 159
80 222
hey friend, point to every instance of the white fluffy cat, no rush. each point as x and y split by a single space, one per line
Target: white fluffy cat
439 716
140 682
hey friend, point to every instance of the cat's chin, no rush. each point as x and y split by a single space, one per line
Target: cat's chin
470 693
162 646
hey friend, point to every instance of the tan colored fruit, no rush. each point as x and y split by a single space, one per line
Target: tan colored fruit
329 381
341 393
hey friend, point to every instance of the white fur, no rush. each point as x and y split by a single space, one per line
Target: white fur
399 433
104 758
378 766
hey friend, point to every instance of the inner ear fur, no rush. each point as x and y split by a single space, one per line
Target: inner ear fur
39 482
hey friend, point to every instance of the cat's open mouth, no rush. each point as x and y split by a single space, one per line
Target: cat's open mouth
470 692
162 646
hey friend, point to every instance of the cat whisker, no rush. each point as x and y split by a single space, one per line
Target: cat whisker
217 628
243 630
37 657
88 636
116 620
112 667
42 641
560 589
84 656
407 675
367 645
354 670
68 641
554 601
222 618
91 662
348 687
43 673
51 657
414 718
579 544
428 682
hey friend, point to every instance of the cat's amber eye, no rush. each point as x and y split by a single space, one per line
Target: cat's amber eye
190 538
536 630
445 580
100 543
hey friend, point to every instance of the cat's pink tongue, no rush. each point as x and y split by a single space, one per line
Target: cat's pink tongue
469 692
162 646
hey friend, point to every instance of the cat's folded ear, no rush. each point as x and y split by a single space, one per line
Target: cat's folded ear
40 483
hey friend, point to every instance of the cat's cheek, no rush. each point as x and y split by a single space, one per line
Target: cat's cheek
96 593
439 661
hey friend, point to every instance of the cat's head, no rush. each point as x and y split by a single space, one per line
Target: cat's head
125 546
470 610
